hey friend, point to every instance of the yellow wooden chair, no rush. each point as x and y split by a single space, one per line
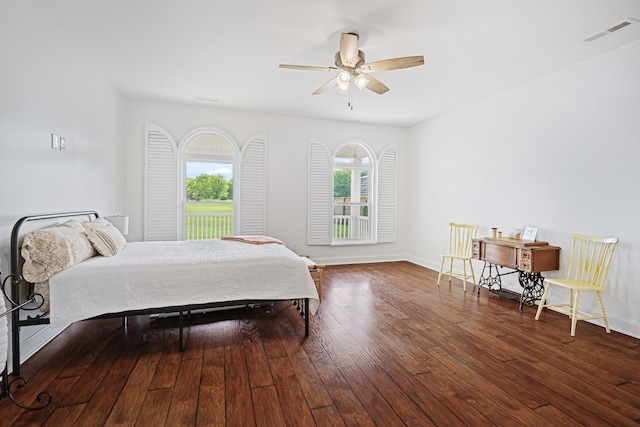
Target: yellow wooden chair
588 267
460 236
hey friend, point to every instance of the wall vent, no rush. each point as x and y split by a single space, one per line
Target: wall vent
612 29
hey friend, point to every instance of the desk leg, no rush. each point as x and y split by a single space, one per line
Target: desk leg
489 277
532 287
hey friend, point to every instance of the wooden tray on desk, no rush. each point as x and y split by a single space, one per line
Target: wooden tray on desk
505 241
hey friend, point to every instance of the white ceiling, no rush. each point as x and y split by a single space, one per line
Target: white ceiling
176 50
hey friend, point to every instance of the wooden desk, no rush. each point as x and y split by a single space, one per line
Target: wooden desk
528 259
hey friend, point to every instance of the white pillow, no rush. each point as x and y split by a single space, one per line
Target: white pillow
111 240
96 223
106 239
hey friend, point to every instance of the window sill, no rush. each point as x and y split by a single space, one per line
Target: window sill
352 242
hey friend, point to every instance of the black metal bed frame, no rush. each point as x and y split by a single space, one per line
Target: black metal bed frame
44 397
301 305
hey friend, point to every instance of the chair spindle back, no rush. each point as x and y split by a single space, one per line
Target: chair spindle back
460 236
590 259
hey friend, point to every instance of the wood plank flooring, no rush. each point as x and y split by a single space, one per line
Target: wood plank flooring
387 348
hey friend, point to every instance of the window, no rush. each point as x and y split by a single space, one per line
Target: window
351 195
352 198
169 167
207 187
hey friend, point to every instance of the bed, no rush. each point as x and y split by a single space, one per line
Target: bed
149 277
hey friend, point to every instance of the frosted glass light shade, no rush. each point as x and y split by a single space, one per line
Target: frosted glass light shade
361 81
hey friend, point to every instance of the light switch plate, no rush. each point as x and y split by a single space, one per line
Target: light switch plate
63 144
55 141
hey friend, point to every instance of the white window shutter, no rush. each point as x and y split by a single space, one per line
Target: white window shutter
388 195
319 196
161 185
253 187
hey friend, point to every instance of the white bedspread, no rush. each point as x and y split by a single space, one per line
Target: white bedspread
162 274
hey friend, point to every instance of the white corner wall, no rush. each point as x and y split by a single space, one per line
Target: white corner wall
560 153
48 86
286 167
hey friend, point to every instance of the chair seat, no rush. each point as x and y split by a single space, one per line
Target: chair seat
573 284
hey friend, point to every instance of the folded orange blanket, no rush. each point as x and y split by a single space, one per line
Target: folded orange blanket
256 240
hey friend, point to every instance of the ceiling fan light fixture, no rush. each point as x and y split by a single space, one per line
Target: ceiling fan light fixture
361 81
344 77
343 80
342 88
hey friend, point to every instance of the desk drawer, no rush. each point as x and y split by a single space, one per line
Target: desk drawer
539 259
501 255
526 261
475 250
525 265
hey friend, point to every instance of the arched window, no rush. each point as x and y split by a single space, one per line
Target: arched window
353 194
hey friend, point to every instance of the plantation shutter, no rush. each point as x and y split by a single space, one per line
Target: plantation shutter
253 187
319 195
161 185
388 195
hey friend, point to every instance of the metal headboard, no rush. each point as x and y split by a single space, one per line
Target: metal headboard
15 233
16 278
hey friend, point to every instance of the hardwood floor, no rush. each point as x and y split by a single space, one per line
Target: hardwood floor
387 347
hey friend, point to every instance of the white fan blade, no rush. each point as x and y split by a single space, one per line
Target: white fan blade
307 67
349 49
375 85
393 64
327 85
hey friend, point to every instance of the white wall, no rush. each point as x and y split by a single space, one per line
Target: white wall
47 86
560 153
286 162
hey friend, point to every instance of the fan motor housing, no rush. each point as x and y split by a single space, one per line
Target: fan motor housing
340 65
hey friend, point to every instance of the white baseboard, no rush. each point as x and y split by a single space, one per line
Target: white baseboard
32 339
359 259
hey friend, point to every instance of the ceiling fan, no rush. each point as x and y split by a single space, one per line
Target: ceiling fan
351 61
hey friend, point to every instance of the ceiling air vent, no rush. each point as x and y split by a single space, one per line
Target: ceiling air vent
596 36
613 29
207 99
618 27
